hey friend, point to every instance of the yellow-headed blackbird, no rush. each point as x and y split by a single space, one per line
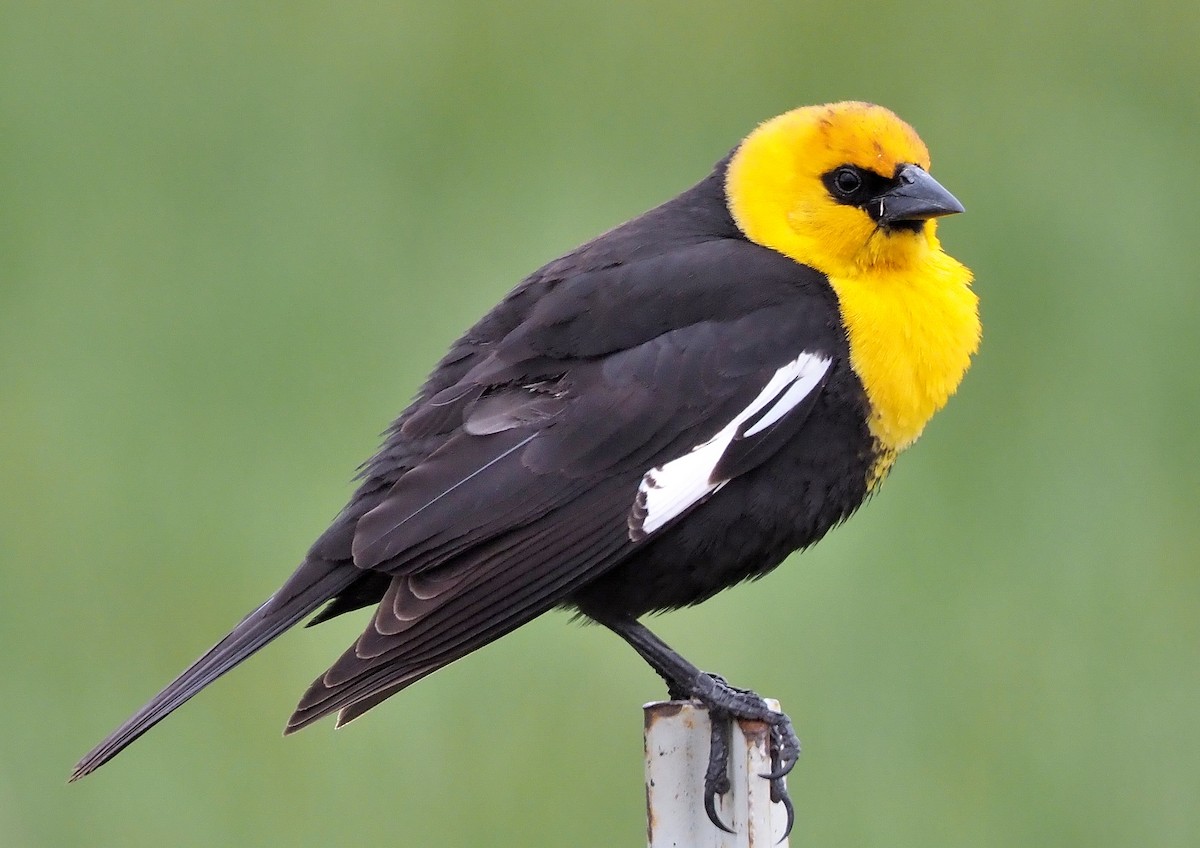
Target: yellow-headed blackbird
661 413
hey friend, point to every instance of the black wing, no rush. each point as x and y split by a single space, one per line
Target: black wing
554 440
514 474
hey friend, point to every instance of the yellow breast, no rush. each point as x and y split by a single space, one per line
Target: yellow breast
912 333
907 307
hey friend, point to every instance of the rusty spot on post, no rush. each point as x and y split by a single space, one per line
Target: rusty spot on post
661 710
757 733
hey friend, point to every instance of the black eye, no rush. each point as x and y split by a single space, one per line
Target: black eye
846 181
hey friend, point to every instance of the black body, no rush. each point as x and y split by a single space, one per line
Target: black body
508 487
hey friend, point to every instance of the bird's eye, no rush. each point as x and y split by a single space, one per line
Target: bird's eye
847 181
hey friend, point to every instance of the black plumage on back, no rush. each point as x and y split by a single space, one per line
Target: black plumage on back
512 484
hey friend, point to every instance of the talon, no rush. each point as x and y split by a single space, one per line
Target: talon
710 807
785 749
779 795
781 772
725 703
716 778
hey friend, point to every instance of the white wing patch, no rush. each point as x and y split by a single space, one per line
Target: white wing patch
668 490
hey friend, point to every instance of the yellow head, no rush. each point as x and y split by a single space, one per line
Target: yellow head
811 182
845 189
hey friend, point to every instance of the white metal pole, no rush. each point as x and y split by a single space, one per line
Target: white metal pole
678 735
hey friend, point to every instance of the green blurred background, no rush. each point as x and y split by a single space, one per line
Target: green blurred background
235 236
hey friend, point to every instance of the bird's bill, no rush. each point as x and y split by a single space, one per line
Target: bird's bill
915 197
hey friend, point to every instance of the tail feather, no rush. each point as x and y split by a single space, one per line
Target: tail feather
313 583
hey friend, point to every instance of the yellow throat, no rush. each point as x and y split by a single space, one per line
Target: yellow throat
908 309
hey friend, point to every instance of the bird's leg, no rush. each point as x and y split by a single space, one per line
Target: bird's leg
674 692
724 703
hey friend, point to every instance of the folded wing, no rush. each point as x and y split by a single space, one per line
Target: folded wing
554 476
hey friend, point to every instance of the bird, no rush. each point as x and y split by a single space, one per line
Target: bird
664 412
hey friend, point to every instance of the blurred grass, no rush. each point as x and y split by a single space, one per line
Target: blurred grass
234 237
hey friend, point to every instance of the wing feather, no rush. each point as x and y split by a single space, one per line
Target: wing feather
552 560
529 497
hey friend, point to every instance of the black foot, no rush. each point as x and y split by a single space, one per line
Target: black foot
716 778
726 703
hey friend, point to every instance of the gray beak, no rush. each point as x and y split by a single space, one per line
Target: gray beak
916 197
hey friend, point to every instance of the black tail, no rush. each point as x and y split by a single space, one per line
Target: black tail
313 583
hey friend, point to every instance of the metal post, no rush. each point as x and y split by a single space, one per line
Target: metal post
678 735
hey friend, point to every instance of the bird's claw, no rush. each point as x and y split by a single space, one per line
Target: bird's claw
726 703
785 747
716 778
779 769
